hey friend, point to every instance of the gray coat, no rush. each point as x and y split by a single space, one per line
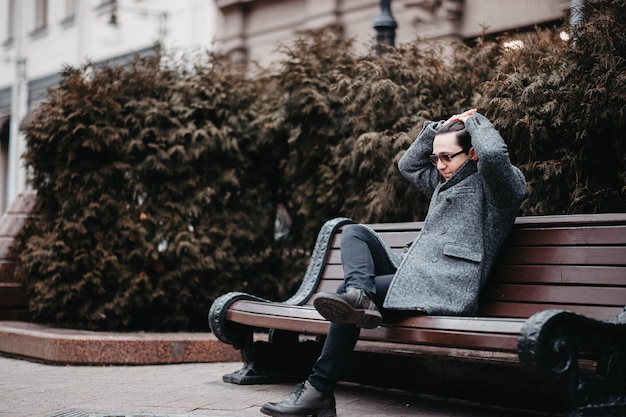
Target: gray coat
468 219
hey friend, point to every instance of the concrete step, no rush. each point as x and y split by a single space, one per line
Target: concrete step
82 347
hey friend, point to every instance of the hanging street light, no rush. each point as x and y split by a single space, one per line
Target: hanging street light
385 26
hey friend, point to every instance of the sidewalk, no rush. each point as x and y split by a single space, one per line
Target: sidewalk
32 389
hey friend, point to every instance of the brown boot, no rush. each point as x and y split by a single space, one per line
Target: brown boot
304 400
351 307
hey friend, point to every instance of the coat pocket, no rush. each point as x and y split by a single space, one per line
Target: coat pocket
462 252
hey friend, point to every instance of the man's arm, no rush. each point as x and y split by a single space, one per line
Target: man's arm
415 164
504 183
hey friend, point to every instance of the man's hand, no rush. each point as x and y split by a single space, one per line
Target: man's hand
461 117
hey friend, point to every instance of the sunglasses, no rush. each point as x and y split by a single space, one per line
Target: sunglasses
445 157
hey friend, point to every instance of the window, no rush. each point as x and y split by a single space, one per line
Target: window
70 9
41 14
10 22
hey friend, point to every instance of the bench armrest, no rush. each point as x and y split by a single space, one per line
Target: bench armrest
228 332
318 260
237 335
552 342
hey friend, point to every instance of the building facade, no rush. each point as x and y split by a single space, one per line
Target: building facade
39 37
249 30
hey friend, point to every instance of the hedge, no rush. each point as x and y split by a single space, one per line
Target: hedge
159 182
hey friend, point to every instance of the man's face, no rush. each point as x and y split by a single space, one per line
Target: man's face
447 144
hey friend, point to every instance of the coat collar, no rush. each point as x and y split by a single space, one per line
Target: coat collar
467 169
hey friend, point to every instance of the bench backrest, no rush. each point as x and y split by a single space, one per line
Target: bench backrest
575 262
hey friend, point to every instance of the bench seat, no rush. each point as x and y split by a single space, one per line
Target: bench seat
486 333
550 329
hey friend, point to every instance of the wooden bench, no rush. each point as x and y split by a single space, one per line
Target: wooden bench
550 333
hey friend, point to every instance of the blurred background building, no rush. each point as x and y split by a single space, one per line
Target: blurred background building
39 37
249 30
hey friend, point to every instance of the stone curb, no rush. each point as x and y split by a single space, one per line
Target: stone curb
81 347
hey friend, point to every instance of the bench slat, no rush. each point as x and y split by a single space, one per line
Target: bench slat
564 236
393 239
566 220
599 235
552 255
458 324
293 324
333 271
487 341
559 274
608 235
601 296
329 285
467 324
524 310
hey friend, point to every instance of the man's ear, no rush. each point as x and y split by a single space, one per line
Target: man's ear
472 154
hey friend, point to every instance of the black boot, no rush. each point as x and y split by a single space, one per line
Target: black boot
304 400
351 307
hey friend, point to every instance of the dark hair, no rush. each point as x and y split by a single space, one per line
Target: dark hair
462 136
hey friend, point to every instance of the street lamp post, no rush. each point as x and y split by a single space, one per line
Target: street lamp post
385 26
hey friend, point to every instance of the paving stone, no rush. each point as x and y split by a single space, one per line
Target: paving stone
29 389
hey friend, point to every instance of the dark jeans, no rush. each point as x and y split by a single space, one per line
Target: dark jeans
366 266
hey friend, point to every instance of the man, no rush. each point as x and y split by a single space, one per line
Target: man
475 192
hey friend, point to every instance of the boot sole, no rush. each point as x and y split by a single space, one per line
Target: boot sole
338 311
329 412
